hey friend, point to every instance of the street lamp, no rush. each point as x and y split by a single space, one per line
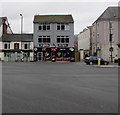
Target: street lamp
21 28
110 40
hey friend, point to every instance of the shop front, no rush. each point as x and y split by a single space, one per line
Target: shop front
60 54
17 56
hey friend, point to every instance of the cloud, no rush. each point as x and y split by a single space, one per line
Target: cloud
84 13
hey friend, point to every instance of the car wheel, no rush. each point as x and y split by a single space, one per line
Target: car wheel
105 63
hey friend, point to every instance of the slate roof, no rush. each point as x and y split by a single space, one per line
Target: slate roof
17 37
110 13
53 19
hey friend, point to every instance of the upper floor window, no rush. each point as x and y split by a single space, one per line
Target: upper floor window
44 39
16 45
44 27
26 45
62 39
6 45
110 25
62 26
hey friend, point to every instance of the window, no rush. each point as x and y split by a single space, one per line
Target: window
111 38
16 45
62 26
25 46
58 39
44 39
7 46
110 25
62 39
40 40
67 40
48 39
44 27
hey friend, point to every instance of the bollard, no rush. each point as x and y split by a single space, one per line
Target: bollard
98 61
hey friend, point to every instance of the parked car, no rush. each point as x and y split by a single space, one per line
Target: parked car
94 60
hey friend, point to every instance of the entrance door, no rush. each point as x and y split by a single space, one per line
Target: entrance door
40 56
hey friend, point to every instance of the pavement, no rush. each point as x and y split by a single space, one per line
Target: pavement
111 65
46 87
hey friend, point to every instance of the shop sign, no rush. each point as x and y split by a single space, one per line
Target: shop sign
46 45
53 49
62 49
59 53
46 54
43 49
71 49
35 49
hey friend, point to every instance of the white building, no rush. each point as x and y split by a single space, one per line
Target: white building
84 42
4 29
17 47
105 35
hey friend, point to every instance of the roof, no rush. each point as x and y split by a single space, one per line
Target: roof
110 13
17 37
53 19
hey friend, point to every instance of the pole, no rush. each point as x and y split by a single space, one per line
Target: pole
21 28
21 35
110 39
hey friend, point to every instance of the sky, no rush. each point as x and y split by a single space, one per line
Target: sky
84 12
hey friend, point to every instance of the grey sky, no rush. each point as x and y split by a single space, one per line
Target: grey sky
84 13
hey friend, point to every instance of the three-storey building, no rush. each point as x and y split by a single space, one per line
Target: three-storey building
53 36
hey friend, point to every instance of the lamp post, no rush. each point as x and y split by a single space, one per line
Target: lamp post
21 35
21 28
110 40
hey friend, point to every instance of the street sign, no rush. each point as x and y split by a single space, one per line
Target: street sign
35 49
111 49
71 49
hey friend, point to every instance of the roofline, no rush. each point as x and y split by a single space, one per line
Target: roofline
103 13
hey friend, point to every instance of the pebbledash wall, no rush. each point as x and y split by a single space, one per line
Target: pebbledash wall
107 23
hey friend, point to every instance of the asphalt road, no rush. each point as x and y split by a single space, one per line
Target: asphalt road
45 87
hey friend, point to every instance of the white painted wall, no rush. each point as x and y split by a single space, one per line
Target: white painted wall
84 40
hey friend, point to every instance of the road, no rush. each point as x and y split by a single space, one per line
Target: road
46 87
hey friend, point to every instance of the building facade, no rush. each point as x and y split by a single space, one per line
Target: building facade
16 47
84 42
4 29
105 35
53 36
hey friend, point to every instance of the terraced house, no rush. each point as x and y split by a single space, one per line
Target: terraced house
4 29
17 47
53 36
